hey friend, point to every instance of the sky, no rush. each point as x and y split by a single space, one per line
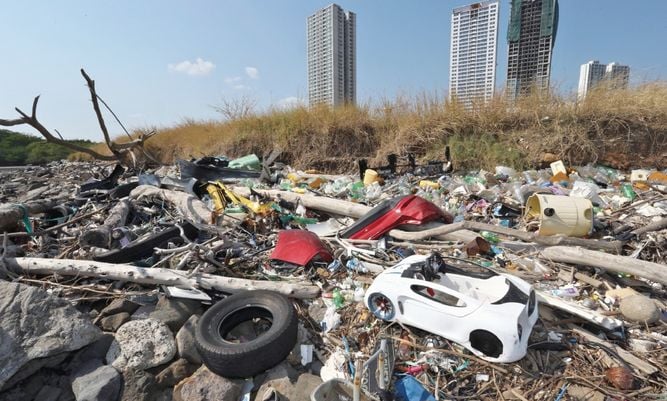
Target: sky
162 62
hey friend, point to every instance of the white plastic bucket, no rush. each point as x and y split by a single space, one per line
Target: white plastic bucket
561 214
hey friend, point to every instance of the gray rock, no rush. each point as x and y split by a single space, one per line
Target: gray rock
185 341
174 311
207 386
143 312
174 373
139 386
119 305
113 322
96 382
35 365
48 393
279 378
299 391
96 350
639 308
141 344
34 325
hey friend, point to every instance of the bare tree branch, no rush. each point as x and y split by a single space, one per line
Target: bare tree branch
33 122
98 113
120 151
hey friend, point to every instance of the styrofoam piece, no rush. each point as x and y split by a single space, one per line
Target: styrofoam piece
558 167
561 214
639 175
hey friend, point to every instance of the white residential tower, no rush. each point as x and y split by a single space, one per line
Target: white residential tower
472 66
332 58
594 72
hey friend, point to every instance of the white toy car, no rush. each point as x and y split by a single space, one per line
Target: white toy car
488 313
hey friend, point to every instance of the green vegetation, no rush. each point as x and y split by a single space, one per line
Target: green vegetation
616 127
19 149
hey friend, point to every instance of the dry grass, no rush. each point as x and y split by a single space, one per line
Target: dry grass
622 127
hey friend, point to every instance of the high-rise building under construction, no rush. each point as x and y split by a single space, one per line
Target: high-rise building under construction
531 36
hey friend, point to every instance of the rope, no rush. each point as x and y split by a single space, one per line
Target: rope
25 218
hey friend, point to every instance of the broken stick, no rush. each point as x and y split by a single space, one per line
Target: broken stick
155 276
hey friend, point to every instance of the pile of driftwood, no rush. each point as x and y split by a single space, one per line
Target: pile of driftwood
77 230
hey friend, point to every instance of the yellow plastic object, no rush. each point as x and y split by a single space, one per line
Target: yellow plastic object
429 184
294 178
370 176
218 198
221 195
299 190
561 214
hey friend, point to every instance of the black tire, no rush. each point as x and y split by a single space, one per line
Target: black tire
246 359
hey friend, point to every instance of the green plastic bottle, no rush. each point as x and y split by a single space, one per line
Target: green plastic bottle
628 191
491 237
338 299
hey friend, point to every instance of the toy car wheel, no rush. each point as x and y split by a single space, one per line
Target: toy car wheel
381 306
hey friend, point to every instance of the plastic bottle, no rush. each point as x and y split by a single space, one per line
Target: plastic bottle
628 191
338 299
491 237
357 190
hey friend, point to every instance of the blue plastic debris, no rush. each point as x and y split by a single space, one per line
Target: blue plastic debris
408 388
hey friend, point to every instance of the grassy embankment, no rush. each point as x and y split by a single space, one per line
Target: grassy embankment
622 128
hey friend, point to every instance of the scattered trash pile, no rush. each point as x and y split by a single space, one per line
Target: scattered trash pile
245 279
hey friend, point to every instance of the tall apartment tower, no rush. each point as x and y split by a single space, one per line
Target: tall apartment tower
593 72
472 63
531 36
618 75
332 57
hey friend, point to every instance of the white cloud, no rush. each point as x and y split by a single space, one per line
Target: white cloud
290 102
198 67
252 72
239 87
232 80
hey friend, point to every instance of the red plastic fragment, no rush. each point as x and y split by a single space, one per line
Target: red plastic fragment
299 247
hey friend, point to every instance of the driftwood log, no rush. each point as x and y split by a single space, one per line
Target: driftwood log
192 208
613 263
637 363
155 276
101 236
11 214
438 230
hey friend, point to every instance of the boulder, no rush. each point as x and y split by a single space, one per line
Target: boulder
279 381
94 381
207 386
36 325
119 305
143 312
174 373
175 311
113 322
141 344
139 385
48 393
185 341
639 308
